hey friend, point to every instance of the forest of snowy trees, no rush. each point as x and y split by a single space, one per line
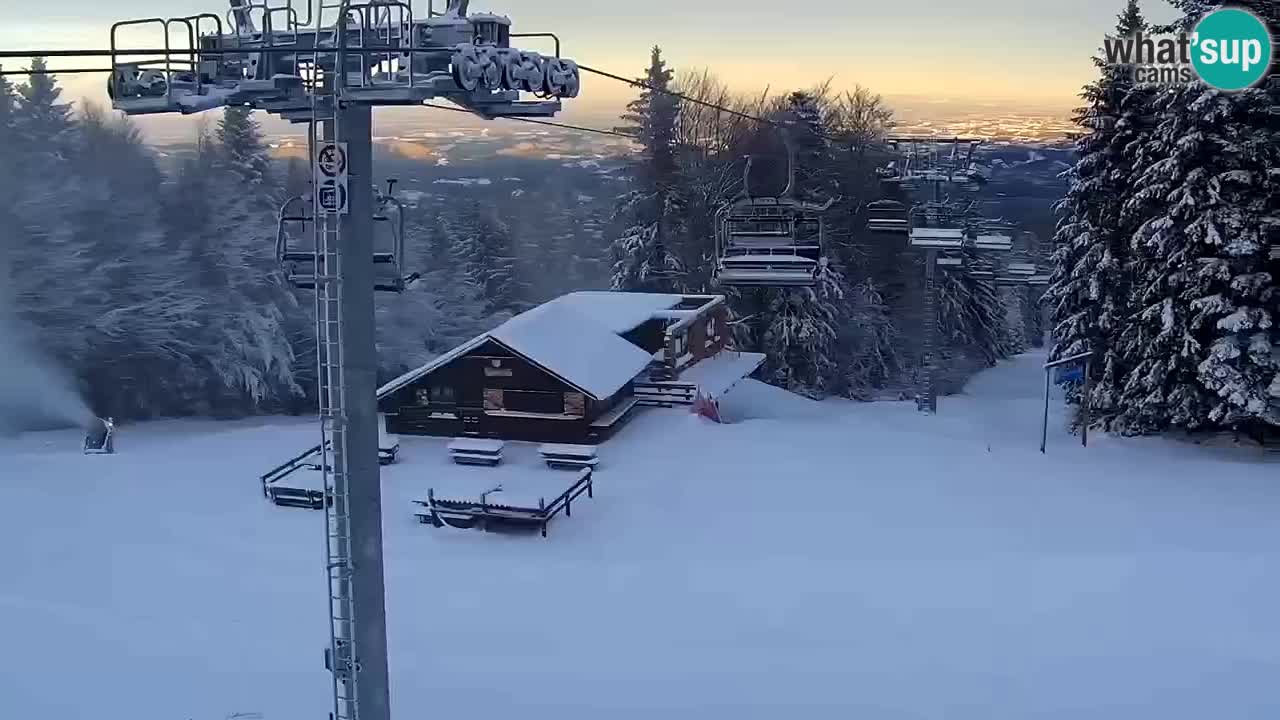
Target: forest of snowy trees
1164 267
857 333
154 285
154 290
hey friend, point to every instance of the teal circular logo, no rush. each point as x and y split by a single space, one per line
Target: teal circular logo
1231 49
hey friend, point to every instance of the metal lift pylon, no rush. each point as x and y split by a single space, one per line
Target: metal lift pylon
326 63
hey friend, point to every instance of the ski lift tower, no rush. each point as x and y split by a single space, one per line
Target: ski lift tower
326 64
942 228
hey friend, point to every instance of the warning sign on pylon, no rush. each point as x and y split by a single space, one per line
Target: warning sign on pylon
331 172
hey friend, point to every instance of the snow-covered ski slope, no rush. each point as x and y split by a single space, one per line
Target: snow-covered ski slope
813 560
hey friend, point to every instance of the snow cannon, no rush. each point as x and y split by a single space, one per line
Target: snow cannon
99 440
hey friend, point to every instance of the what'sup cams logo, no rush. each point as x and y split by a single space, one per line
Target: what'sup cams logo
1229 49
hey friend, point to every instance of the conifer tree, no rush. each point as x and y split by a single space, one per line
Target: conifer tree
645 254
1090 287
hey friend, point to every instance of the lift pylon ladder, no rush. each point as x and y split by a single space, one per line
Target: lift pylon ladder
770 241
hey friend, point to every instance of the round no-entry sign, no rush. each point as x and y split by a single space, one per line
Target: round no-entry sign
332 160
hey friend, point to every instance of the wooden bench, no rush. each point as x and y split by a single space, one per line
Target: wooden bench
476 451
569 457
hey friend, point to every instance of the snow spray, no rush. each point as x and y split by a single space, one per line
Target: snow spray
34 393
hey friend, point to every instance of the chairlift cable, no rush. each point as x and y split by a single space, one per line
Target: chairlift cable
548 123
682 96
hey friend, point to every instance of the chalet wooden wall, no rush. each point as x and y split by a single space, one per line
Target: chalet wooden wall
704 344
474 382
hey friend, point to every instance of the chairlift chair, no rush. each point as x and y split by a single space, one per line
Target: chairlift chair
303 265
934 226
770 241
887 216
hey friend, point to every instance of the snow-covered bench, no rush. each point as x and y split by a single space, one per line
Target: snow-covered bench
569 457
476 451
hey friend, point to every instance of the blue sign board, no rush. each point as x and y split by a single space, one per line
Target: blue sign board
1070 375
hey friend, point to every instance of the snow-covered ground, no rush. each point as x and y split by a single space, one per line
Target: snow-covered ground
814 560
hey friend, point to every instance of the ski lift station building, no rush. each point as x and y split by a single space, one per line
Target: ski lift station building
571 370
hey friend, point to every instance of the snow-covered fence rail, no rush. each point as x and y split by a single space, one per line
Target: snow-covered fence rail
664 393
486 515
292 497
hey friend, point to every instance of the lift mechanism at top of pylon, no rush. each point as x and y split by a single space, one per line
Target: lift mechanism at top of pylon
270 56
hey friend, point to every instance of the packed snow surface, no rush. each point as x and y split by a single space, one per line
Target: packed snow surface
816 560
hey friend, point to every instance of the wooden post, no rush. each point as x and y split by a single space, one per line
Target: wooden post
1044 425
1084 406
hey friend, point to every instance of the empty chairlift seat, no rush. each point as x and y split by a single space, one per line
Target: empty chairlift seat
887 216
937 237
769 242
304 267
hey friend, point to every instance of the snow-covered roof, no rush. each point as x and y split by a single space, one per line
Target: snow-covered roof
574 346
575 337
717 374
617 311
436 362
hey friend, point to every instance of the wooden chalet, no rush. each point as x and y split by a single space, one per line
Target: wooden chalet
566 371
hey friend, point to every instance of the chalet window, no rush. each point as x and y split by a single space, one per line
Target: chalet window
493 399
547 403
678 346
434 395
497 372
575 403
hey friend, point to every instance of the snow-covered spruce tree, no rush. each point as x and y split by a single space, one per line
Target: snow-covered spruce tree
1205 333
222 225
1090 289
297 178
869 339
9 187
803 327
139 351
8 118
483 252
242 147
802 337
52 267
971 315
43 120
644 254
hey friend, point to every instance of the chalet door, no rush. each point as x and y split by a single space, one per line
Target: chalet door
471 422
